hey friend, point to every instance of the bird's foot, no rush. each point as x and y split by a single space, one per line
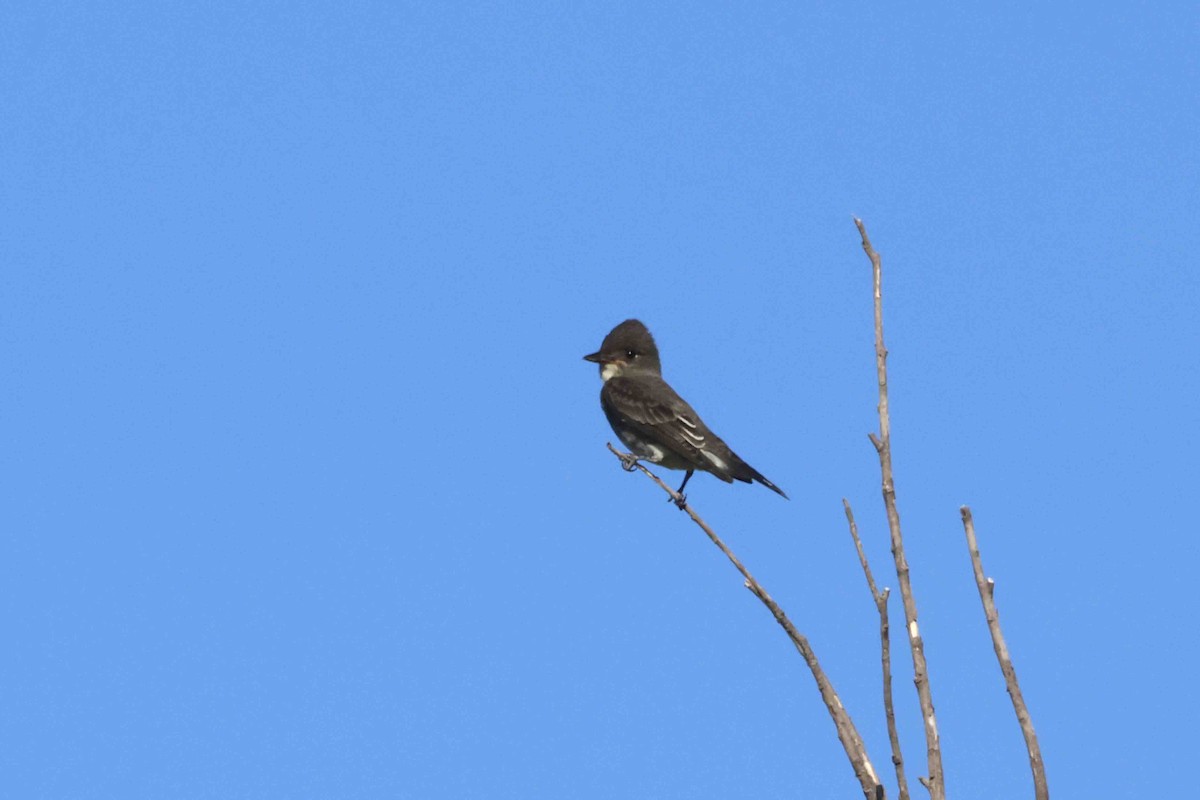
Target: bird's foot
680 501
628 461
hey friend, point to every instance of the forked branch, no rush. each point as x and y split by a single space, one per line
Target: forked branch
935 783
852 742
885 647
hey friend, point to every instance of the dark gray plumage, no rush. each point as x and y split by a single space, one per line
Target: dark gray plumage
653 421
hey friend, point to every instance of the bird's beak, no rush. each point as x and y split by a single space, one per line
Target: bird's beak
594 358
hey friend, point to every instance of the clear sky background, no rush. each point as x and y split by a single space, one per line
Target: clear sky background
304 483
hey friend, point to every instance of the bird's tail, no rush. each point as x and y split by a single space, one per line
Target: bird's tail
758 476
749 474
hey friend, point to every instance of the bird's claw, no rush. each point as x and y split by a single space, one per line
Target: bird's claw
628 461
680 500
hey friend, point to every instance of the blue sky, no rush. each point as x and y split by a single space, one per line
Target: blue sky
305 491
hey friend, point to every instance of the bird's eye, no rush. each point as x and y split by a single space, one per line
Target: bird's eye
630 352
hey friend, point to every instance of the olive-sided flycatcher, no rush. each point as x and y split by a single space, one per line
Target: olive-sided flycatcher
654 422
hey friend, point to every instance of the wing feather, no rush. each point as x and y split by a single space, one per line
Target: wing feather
652 408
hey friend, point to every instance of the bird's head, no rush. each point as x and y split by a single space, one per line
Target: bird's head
628 349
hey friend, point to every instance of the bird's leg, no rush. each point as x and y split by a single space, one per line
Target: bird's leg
680 499
628 461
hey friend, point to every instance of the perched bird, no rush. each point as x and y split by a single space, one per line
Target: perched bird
654 422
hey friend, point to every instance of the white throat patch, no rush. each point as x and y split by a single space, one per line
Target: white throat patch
609 371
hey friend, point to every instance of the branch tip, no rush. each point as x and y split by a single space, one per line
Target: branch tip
987 588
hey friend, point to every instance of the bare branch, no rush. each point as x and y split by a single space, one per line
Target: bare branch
883 445
853 744
986 590
885 646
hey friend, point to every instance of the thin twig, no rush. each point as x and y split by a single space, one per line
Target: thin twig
987 588
885 647
883 446
852 742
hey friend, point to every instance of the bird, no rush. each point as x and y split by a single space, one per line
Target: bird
652 420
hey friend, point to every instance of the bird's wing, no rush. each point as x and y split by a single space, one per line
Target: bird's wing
652 408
